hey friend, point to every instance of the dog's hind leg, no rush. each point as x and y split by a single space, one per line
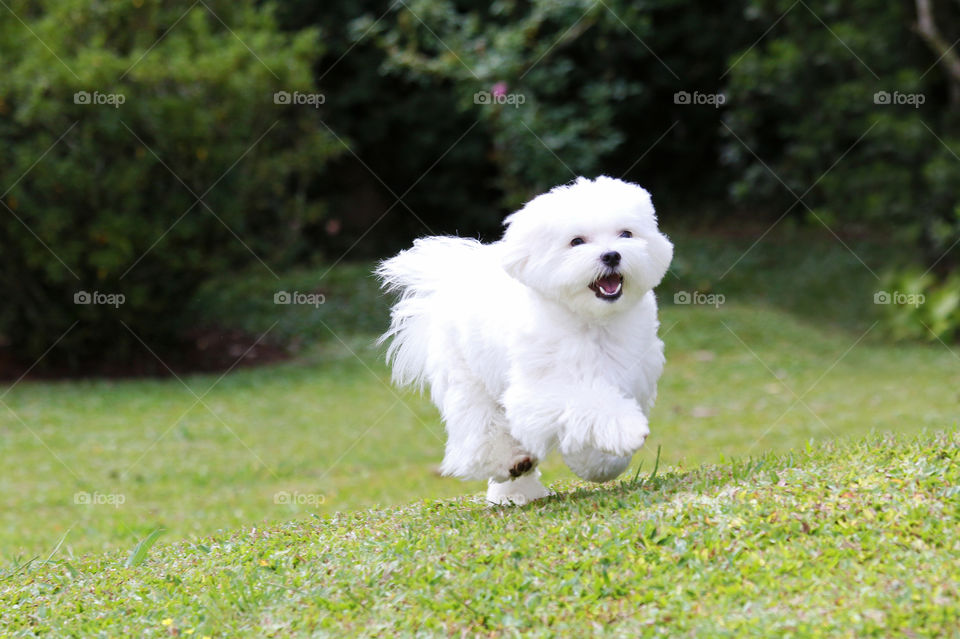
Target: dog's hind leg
478 444
518 491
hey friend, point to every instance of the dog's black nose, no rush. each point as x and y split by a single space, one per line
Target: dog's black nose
610 258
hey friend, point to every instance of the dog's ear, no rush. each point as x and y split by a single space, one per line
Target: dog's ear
514 255
660 251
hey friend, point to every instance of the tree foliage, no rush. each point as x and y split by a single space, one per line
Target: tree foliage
572 87
848 115
825 108
141 151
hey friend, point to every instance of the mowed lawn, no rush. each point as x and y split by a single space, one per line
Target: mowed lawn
837 540
791 356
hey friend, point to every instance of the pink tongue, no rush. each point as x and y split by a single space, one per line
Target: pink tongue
609 284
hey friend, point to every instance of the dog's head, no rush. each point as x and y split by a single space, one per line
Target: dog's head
591 245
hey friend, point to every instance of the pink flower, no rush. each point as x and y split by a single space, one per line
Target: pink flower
499 89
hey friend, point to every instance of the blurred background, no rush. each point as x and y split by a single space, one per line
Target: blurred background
192 197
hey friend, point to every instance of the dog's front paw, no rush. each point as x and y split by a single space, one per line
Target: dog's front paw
632 435
627 436
621 436
596 466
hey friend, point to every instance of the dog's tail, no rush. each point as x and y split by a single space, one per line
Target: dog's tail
418 274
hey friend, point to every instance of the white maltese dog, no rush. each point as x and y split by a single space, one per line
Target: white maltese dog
547 338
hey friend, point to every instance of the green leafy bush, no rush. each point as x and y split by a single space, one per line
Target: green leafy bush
920 305
565 88
143 150
407 138
868 134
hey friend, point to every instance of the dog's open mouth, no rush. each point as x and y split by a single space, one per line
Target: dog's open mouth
608 287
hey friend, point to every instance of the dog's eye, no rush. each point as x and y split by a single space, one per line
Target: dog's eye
577 241
626 234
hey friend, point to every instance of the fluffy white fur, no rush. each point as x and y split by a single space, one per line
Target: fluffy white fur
527 344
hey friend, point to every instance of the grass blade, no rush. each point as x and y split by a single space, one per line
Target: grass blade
57 547
656 465
17 569
139 553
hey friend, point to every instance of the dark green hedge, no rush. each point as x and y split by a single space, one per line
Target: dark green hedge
115 119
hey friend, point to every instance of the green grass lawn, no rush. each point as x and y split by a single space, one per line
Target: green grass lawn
760 372
834 540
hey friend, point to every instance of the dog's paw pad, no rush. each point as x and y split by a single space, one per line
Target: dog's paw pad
522 467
